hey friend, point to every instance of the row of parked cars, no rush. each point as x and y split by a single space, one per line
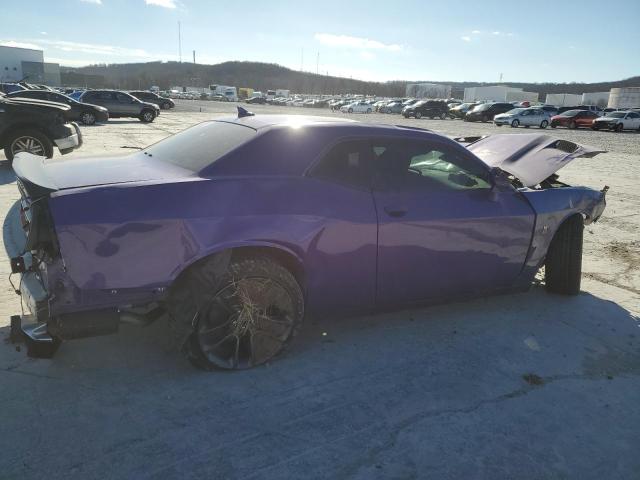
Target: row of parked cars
37 119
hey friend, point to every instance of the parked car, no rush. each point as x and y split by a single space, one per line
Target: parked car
368 217
574 119
356 107
527 117
461 110
392 107
36 127
121 104
427 108
79 112
257 100
486 111
550 109
618 121
151 97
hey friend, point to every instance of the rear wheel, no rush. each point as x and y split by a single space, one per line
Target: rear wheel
28 140
418 115
572 125
544 124
563 265
165 106
443 116
350 110
243 319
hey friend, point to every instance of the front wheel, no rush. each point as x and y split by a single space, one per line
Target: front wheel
243 319
350 110
88 118
147 116
573 125
544 124
165 106
515 124
28 140
443 116
563 265
619 127
418 115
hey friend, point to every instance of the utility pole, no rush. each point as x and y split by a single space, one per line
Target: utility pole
302 61
194 56
318 64
179 42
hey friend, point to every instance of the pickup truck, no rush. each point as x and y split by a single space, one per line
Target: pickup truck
36 126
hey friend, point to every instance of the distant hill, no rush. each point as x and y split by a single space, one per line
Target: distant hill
265 76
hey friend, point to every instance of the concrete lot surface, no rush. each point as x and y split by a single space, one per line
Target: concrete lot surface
529 386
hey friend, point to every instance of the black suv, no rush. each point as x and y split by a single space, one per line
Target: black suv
486 111
427 108
81 112
150 97
35 126
121 104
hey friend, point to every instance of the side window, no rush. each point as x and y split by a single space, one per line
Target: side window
105 96
633 115
122 98
420 166
347 163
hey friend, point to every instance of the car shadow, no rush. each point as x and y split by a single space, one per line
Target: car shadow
7 174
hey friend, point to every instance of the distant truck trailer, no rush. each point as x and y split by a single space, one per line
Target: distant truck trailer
230 93
278 93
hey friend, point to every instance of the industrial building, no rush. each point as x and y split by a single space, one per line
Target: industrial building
563 99
599 99
624 97
498 93
17 64
428 90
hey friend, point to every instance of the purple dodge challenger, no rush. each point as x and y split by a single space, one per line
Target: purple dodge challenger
239 227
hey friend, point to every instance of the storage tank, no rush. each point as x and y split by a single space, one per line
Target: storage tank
624 97
599 99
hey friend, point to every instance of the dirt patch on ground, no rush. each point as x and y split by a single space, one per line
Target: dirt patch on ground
627 252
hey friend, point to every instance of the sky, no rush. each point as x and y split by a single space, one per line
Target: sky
461 40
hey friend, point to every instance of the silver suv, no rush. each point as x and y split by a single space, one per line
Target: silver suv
121 104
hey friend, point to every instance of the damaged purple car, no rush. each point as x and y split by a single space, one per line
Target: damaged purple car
239 227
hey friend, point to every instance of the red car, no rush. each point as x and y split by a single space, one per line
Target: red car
574 119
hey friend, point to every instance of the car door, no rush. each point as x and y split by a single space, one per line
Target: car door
443 231
632 121
585 118
127 104
526 117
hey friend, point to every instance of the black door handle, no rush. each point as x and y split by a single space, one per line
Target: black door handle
396 211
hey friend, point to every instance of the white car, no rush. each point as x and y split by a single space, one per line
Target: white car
357 107
527 117
618 121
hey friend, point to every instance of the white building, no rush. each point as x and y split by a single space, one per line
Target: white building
18 64
599 99
498 93
624 97
563 99
428 90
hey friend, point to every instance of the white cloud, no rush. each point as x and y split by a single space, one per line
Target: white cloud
367 55
355 42
43 33
95 49
11 43
465 38
476 32
496 33
95 2
162 3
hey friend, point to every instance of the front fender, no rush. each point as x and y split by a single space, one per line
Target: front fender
553 206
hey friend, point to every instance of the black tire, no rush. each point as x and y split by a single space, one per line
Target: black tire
88 118
544 124
515 123
619 127
595 127
165 106
418 115
573 125
350 110
217 332
563 265
18 139
485 118
443 116
147 116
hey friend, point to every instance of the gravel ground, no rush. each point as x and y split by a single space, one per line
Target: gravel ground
526 386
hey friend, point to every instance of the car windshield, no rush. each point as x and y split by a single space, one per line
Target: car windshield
199 146
517 111
571 113
616 115
482 108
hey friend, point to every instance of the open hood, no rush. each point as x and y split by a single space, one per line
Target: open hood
63 174
33 102
530 157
